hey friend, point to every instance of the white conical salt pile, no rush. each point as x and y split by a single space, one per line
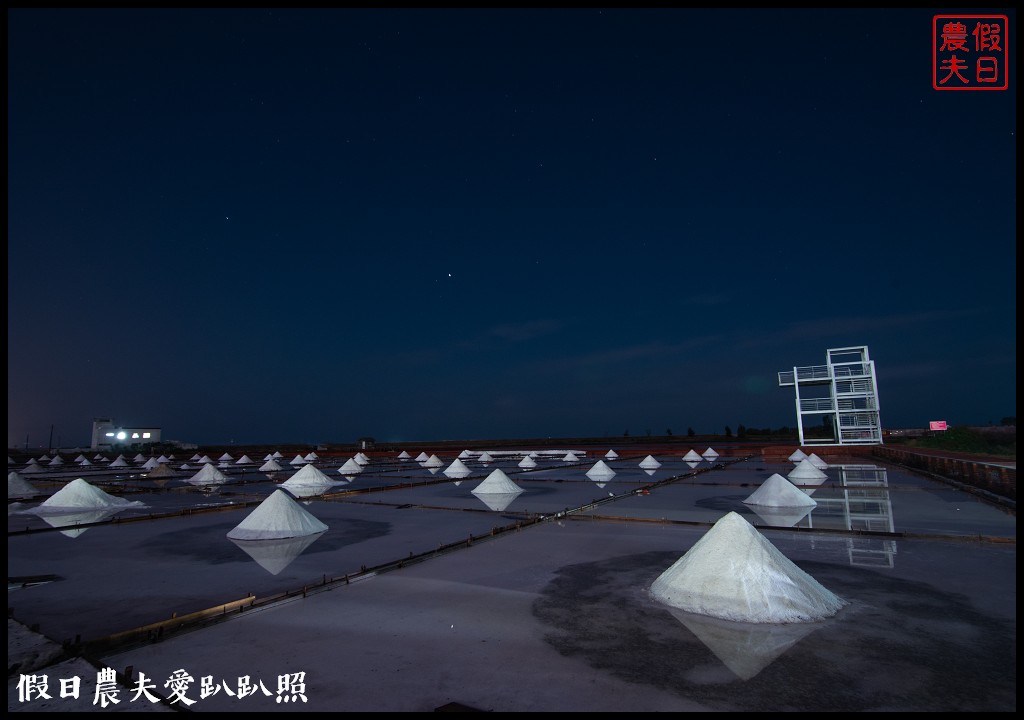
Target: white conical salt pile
308 481
457 469
797 456
119 462
244 460
205 460
404 455
777 491
85 463
57 460
208 475
32 461
361 459
80 458
312 457
270 465
44 458
649 463
150 464
611 454
692 456
817 461
185 466
485 457
465 455
527 462
734 573
163 459
267 457
79 495
297 460
422 457
804 471
196 458
710 455
434 462
569 457
600 471
140 458
161 470
350 468
278 455
19 487
225 458
277 517
497 482
100 458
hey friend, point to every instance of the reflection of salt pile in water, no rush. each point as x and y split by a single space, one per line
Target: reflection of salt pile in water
275 555
19 487
781 516
277 517
777 491
745 648
497 491
734 573
307 482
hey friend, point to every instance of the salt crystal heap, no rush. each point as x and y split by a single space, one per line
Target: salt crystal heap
734 573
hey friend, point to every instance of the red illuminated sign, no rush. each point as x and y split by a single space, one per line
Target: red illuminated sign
937 425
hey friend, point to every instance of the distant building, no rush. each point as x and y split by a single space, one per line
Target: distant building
106 433
837 403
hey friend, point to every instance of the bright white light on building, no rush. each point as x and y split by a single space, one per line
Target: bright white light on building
110 434
135 436
121 435
146 436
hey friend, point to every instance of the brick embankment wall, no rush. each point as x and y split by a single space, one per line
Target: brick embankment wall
983 474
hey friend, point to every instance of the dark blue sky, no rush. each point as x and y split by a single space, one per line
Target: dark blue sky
314 225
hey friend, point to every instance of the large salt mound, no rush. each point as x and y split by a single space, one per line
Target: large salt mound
80 495
734 573
600 471
497 483
277 517
19 487
457 469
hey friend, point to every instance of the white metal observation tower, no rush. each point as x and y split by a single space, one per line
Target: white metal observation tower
837 403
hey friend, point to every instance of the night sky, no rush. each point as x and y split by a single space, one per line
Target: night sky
275 226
